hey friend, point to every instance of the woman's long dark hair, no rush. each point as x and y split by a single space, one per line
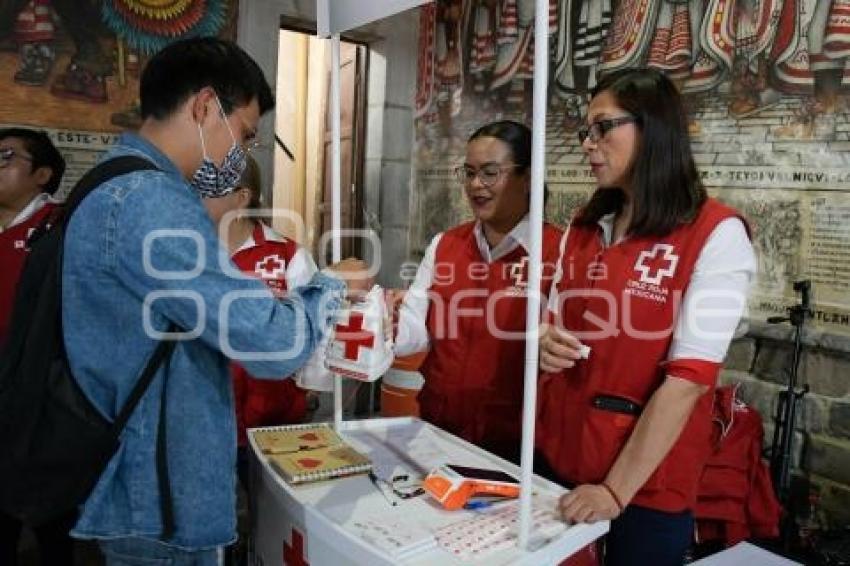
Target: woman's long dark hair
666 188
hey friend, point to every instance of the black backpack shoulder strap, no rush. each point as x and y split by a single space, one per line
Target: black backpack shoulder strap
95 177
100 174
159 358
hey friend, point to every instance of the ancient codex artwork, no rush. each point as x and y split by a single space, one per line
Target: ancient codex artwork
72 67
766 83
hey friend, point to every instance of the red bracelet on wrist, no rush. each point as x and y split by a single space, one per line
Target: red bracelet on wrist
613 496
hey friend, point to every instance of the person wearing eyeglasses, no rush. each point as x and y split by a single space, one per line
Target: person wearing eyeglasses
31 169
141 255
654 279
467 303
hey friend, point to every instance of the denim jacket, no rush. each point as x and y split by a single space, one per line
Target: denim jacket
140 253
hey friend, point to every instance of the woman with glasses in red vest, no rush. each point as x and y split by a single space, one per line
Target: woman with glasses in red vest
467 303
654 279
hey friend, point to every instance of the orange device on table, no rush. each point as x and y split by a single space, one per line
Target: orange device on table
453 486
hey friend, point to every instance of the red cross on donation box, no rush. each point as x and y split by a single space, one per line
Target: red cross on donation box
354 336
270 266
294 555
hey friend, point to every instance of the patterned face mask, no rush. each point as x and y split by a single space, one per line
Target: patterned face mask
213 181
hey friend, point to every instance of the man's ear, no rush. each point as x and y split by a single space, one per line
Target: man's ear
43 175
202 104
244 195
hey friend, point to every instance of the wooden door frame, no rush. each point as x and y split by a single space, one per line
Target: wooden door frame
360 109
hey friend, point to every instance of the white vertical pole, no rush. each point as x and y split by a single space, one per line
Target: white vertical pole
538 162
336 200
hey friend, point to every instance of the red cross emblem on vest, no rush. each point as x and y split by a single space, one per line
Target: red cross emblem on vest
294 555
518 272
354 336
270 267
656 264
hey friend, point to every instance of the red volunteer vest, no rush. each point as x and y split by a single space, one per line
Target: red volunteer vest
736 500
13 253
266 402
623 302
473 374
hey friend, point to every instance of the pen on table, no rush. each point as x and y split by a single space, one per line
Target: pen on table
480 505
377 483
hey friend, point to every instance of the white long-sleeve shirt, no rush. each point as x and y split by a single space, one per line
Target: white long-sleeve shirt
412 333
712 306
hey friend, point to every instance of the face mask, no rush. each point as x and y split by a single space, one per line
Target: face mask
213 181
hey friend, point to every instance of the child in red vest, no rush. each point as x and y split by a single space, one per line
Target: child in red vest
31 169
467 303
282 264
654 278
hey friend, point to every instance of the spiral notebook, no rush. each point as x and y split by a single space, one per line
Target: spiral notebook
295 438
308 453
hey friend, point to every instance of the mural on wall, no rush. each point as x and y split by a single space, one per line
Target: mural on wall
72 67
766 83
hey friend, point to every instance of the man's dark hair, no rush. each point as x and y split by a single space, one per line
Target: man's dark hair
666 188
43 153
185 67
517 136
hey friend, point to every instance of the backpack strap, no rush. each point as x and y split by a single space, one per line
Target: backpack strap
160 357
95 177
166 502
100 174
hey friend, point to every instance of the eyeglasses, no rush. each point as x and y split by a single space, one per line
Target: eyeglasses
597 130
251 142
7 154
488 174
404 487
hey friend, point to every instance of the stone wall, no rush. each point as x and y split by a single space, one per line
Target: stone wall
761 362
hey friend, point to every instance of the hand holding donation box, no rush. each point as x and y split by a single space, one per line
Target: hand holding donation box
360 345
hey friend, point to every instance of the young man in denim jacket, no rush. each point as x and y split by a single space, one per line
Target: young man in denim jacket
141 253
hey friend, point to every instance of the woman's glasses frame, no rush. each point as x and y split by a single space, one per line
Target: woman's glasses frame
488 174
599 129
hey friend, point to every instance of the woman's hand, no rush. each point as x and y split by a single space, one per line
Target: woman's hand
588 503
393 298
559 349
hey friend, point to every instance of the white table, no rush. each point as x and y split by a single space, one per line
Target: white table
312 523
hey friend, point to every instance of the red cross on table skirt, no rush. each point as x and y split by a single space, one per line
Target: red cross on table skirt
354 336
294 555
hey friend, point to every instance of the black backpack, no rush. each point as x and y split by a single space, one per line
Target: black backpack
54 443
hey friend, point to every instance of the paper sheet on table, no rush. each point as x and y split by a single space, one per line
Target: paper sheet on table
745 554
411 449
495 530
395 534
